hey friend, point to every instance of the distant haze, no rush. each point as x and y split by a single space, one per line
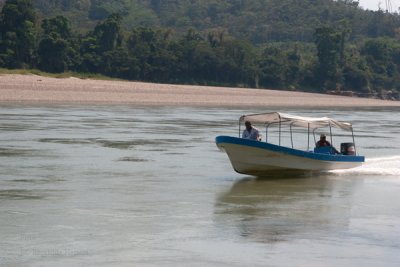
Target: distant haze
374 4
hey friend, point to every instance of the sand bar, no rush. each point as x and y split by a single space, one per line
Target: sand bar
16 88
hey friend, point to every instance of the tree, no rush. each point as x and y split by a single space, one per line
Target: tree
117 63
52 53
98 45
355 76
329 43
17 33
382 57
59 25
293 69
240 62
108 33
152 53
56 51
272 68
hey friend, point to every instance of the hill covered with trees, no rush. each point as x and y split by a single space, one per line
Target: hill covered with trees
257 21
312 45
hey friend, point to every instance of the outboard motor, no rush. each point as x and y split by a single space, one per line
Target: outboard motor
347 149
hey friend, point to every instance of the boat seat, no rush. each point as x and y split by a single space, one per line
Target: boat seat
324 150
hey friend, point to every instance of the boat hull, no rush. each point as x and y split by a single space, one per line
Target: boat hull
257 158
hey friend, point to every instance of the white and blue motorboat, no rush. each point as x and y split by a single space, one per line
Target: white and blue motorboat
259 158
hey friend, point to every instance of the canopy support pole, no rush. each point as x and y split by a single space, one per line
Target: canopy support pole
330 132
280 130
291 134
266 133
308 137
315 140
240 120
354 142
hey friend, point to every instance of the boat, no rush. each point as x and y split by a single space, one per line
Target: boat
259 158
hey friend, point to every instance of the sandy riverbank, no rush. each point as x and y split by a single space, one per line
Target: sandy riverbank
15 88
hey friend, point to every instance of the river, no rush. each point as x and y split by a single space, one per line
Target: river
146 186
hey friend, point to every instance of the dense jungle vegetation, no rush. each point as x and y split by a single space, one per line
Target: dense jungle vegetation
309 45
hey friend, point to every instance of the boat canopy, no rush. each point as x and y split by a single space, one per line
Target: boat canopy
288 119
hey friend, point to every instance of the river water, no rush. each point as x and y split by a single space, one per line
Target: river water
146 186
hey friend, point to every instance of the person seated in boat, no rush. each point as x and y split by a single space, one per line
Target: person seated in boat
324 143
251 132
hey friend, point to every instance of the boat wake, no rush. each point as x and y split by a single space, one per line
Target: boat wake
389 166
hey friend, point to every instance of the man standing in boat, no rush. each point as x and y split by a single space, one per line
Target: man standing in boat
251 132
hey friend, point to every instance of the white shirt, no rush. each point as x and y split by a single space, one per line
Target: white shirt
253 134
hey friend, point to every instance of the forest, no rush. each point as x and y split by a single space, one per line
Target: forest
311 45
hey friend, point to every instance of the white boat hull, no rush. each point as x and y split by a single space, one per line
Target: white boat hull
259 158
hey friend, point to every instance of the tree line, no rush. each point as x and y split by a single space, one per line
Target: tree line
330 63
258 21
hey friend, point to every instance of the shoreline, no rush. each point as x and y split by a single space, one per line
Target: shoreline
34 89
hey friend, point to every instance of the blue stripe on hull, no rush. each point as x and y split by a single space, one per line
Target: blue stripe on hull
287 150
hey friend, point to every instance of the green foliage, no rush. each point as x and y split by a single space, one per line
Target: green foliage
313 45
101 42
328 42
52 54
272 67
17 33
355 78
382 60
56 50
108 33
59 25
258 21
